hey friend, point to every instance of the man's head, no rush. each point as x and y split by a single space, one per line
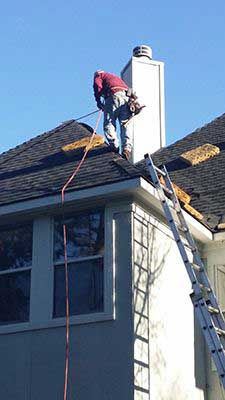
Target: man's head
99 71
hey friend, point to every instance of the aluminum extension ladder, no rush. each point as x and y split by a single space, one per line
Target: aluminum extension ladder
205 304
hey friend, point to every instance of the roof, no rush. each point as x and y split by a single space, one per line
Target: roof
39 168
205 181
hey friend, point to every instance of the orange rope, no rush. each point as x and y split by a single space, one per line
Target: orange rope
66 257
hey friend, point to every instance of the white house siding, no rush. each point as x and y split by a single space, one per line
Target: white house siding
163 315
32 362
214 256
146 352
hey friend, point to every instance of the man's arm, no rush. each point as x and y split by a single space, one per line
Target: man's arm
98 87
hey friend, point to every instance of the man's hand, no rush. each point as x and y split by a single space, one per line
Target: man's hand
100 105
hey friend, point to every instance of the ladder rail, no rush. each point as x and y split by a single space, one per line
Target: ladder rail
212 339
204 300
196 255
175 231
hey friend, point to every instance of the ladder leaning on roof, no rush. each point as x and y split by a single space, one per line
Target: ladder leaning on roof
205 304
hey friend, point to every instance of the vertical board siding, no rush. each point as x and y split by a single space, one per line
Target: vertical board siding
141 309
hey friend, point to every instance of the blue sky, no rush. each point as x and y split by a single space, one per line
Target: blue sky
50 49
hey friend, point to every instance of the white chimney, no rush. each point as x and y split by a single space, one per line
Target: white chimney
146 77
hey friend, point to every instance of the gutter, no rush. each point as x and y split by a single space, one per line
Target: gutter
103 192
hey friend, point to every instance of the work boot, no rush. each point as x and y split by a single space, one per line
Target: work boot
126 154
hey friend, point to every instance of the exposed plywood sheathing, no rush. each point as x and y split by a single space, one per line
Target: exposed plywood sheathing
181 194
221 226
185 198
85 142
200 154
193 211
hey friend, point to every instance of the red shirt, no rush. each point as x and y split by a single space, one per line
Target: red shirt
106 84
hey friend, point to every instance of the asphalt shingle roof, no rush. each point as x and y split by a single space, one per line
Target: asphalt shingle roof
204 182
39 168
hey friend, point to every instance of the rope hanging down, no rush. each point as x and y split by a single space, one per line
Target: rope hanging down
65 253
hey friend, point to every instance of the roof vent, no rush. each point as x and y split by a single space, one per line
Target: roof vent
142 51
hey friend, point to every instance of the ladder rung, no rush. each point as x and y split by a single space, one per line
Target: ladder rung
205 288
160 172
197 267
213 310
175 206
167 191
192 248
203 294
182 228
220 332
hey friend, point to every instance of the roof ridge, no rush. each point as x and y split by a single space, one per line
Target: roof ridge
191 133
32 142
205 125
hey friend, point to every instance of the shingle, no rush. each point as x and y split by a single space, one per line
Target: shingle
204 182
38 167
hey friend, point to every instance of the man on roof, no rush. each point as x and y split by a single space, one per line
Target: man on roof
113 90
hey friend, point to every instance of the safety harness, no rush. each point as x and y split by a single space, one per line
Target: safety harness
134 106
133 103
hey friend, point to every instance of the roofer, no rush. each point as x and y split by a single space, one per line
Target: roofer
114 92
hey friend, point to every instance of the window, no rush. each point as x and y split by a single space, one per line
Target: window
15 273
32 271
85 249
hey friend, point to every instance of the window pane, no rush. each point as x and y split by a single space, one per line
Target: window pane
14 297
85 236
85 288
16 247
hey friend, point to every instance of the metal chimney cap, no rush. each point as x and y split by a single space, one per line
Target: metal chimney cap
142 51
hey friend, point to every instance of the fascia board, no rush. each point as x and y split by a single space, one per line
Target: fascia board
136 187
104 192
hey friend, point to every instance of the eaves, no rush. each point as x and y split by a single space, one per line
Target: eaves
136 188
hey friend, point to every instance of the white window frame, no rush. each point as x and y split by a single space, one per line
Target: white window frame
42 278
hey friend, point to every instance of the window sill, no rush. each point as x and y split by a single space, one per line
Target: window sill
57 322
